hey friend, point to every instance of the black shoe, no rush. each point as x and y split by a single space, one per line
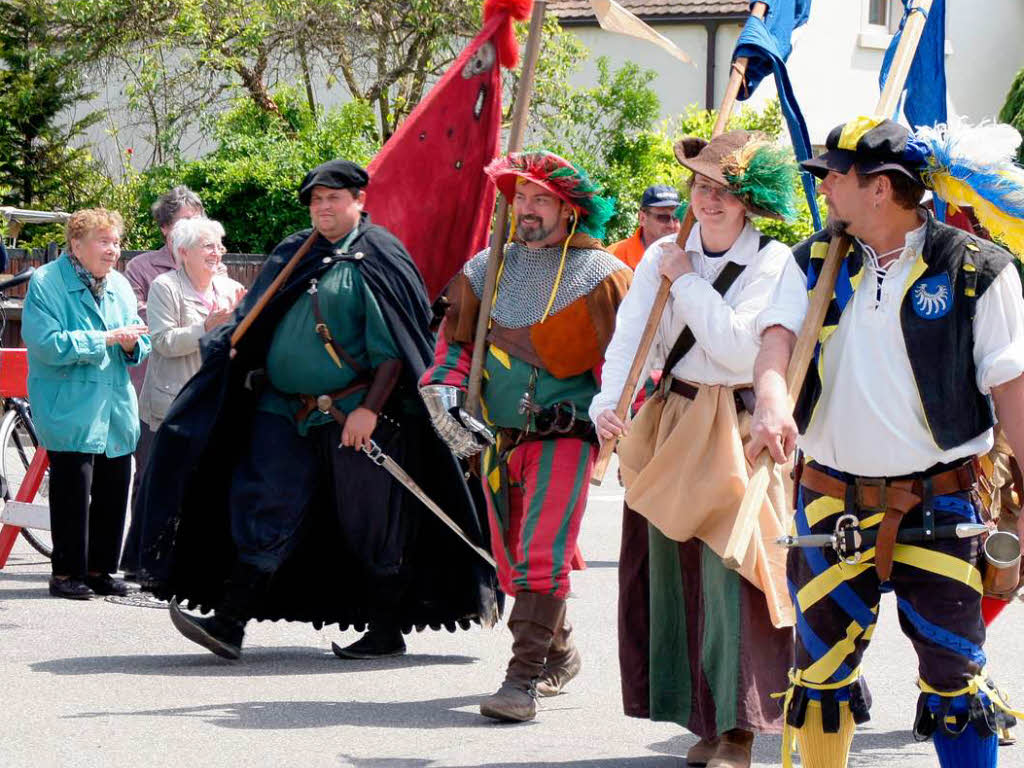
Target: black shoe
375 644
104 584
216 633
71 589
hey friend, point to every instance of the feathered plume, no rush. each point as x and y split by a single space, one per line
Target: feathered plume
508 47
764 175
973 166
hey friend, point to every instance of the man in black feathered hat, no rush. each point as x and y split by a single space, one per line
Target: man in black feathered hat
264 504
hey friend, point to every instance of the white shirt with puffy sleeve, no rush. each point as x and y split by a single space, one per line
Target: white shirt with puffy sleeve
725 327
869 420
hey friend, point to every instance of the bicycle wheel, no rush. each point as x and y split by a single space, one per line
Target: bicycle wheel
17 448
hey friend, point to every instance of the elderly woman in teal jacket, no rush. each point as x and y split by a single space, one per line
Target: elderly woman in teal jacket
82 330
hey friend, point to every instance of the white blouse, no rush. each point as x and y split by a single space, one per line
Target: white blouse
725 327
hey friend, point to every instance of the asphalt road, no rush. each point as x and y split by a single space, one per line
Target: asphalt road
109 685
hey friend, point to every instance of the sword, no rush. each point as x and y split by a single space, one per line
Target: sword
381 459
851 538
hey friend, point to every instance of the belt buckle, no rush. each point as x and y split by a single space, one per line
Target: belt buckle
324 403
869 482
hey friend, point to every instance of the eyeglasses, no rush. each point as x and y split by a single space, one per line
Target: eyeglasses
661 218
715 191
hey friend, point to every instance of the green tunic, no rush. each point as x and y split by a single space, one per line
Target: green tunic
298 363
508 378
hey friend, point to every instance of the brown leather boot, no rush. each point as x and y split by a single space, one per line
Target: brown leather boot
701 752
563 662
734 750
533 621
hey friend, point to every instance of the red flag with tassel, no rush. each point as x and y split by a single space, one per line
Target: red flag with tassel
427 184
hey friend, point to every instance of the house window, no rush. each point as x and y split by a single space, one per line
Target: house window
885 14
878 12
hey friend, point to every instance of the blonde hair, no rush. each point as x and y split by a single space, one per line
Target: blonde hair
86 220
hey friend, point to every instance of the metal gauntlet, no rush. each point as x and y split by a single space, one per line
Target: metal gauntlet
465 435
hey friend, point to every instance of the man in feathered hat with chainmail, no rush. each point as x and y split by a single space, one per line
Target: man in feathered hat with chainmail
556 298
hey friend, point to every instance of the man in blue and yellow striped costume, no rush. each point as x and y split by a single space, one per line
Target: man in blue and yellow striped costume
925 331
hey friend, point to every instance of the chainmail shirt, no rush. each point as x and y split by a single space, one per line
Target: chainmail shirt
528 277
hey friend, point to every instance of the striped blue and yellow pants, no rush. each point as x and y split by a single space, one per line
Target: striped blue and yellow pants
938 593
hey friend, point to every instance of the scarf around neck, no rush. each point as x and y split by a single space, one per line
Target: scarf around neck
96 285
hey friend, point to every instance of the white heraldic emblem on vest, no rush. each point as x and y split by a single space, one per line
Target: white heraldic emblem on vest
932 297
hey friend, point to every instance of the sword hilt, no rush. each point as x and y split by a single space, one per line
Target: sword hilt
374 453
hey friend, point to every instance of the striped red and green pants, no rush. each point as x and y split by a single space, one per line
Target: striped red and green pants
536 494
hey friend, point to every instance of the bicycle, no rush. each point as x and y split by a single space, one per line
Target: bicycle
18 439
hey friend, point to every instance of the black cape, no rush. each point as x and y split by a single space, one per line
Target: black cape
187 550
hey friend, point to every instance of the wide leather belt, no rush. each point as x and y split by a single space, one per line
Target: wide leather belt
325 402
580 430
744 397
893 498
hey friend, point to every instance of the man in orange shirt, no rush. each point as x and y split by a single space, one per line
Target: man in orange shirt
657 219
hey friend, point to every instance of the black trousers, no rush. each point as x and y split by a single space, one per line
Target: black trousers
136 531
283 473
88 503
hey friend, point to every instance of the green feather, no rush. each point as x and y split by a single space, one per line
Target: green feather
768 181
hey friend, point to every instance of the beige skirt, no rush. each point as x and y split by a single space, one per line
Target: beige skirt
684 470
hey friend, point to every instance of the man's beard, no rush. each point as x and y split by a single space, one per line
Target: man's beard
533 233
836 227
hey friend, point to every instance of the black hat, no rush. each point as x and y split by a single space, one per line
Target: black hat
873 145
660 196
336 174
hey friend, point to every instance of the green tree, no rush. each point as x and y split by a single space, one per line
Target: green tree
40 83
249 181
1013 110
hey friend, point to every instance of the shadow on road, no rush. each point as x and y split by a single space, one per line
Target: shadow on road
870 748
15 576
258 715
256 662
415 762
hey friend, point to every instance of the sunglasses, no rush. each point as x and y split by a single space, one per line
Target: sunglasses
661 218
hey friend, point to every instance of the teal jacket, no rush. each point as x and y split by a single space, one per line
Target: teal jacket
82 399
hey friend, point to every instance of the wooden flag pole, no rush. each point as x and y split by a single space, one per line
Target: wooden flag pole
739 70
803 351
497 249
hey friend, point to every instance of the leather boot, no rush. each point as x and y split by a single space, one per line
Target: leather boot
384 635
378 643
734 750
701 752
223 632
533 621
563 662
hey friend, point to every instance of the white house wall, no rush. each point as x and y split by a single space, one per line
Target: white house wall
836 59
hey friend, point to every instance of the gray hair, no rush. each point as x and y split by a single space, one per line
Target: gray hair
187 232
167 205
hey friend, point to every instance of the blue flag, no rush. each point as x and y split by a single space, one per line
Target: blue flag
766 46
925 100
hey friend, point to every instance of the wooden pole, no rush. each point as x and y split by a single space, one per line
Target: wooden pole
803 351
268 294
497 249
739 70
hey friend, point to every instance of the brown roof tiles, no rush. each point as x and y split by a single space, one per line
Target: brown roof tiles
580 9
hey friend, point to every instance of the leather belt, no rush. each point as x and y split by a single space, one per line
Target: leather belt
580 430
325 403
744 397
893 498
